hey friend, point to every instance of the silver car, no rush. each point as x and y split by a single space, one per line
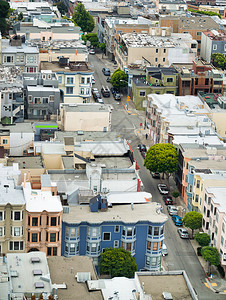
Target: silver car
183 233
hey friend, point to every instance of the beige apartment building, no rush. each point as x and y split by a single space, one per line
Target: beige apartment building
43 218
158 47
85 117
12 211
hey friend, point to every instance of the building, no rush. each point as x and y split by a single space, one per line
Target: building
41 94
201 76
18 138
159 48
69 272
12 211
40 30
217 108
15 52
74 79
214 221
169 7
28 274
156 81
217 9
11 95
85 117
43 218
212 41
87 231
179 119
114 26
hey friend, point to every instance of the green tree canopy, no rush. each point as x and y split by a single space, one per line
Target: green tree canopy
20 16
62 7
83 18
4 13
193 220
202 238
219 60
117 263
211 255
92 37
162 158
102 46
208 13
119 79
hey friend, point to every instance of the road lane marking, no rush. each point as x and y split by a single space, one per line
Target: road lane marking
214 284
206 284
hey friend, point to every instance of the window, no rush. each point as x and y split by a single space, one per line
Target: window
59 79
5 142
51 98
208 213
161 230
196 198
34 237
148 260
16 231
8 59
88 80
154 261
164 50
223 227
156 231
157 50
117 228
31 69
106 236
69 90
72 248
52 237
13 245
217 217
163 59
16 216
222 240
116 244
70 80
73 232
66 247
82 80
53 221
2 215
87 91
215 47
129 231
156 59
198 184
150 230
169 79
34 221
155 246
2 231
82 91
45 100
142 93
199 33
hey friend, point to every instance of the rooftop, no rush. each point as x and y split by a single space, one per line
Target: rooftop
19 127
22 275
215 35
212 164
85 107
7 48
218 197
198 22
88 135
41 88
128 198
172 2
54 29
60 272
135 40
122 213
38 201
72 67
29 162
10 77
110 22
190 152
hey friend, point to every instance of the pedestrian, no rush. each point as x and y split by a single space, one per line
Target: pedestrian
146 136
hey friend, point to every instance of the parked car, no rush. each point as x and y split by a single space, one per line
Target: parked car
117 97
113 91
105 91
164 250
108 79
168 200
177 220
183 233
93 80
172 210
96 96
92 52
99 100
155 175
142 148
143 154
163 189
94 90
106 72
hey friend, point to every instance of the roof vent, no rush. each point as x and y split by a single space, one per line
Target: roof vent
83 276
37 272
35 259
39 285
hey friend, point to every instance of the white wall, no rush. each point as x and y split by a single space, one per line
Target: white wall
19 141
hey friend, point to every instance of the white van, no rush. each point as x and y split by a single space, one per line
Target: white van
164 250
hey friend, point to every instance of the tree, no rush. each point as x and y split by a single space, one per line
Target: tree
20 16
219 60
92 37
175 195
162 158
117 263
4 13
208 13
193 220
83 18
62 7
119 79
202 238
211 255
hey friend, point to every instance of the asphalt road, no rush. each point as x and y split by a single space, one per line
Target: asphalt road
181 254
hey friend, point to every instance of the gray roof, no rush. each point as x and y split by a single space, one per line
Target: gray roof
31 162
88 135
55 29
86 107
121 213
7 48
19 127
10 194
